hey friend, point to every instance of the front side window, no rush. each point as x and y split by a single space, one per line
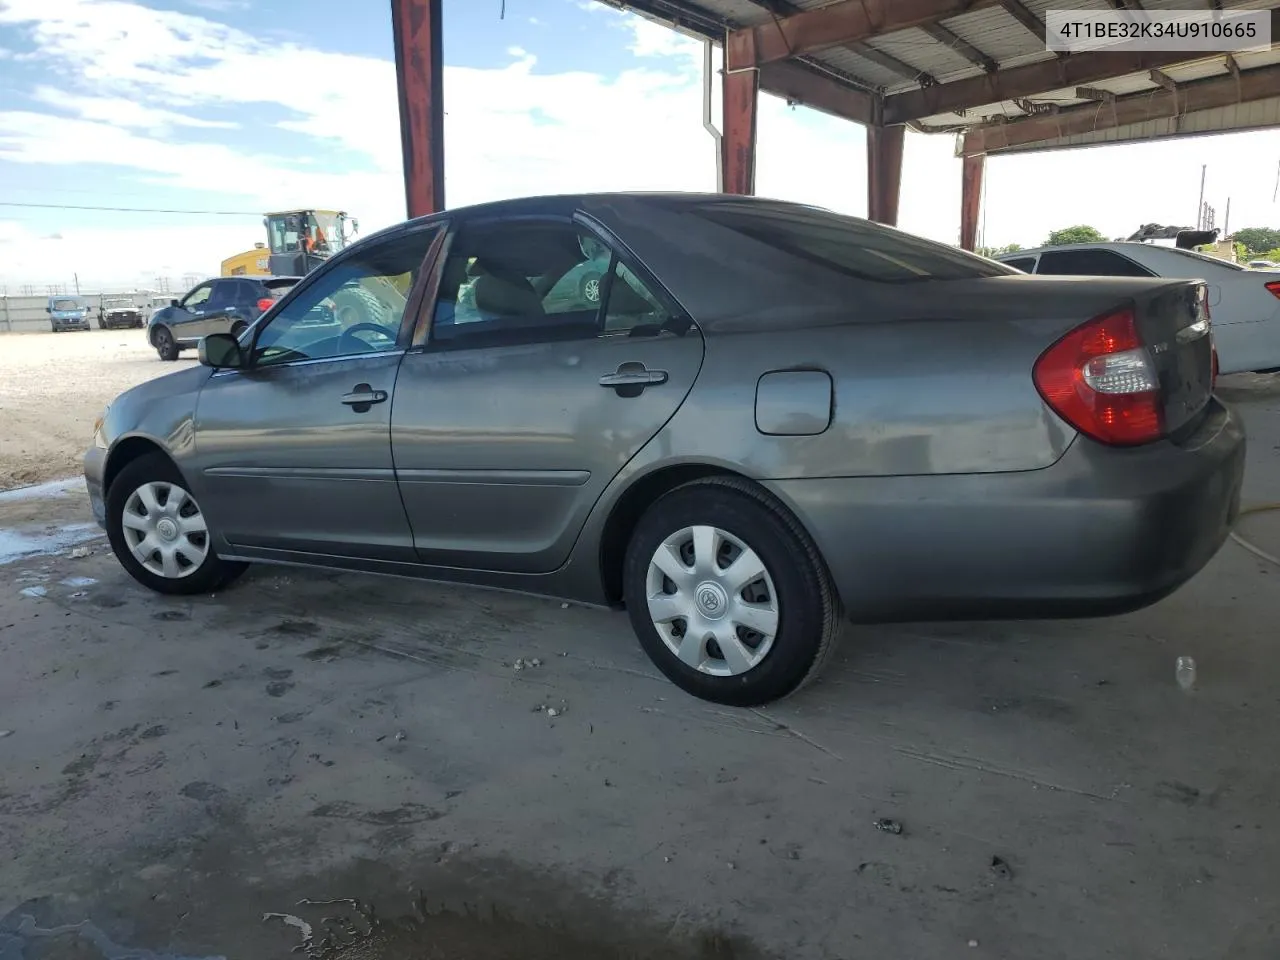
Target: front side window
522 282
198 297
857 248
355 306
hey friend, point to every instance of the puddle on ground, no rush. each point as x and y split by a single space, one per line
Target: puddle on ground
472 910
42 491
19 545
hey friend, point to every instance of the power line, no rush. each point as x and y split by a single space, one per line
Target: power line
72 206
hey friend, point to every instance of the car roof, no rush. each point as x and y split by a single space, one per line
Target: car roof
1119 246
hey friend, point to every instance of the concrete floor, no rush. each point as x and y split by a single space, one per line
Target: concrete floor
182 777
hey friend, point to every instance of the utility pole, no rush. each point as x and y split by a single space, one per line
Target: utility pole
1226 220
77 279
1200 205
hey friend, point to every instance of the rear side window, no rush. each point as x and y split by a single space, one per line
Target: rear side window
855 247
1025 264
1090 263
224 294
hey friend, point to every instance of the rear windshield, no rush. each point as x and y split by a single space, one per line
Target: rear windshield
856 247
1203 258
279 286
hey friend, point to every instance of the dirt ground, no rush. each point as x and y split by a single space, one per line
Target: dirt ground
52 388
351 768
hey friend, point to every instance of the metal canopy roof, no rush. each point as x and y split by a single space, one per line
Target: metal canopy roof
980 68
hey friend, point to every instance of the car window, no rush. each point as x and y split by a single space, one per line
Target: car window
198 297
1025 264
631 304
355 306
520 283
224 295
851 246
1089 263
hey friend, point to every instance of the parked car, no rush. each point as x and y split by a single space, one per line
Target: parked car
221 305
1263 265
119 312
774 419
1244 305
67 313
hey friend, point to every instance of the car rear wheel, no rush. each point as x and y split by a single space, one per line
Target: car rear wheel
589 288
728 595
159 533
238 328
165 345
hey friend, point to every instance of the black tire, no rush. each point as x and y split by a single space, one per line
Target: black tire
238 328
809 615
164 343
210 575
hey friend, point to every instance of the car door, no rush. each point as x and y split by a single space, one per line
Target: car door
188 315
515 409
219 312
294 451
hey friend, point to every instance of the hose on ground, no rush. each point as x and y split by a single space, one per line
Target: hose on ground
1253 548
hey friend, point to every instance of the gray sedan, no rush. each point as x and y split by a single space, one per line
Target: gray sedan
771 420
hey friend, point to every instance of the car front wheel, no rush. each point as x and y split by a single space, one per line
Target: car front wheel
159 533
165 345
728 595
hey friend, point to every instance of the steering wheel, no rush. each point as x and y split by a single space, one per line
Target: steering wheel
366 328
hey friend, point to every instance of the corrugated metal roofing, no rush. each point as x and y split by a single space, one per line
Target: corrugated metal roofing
992 30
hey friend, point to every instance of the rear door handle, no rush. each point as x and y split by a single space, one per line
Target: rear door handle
632 377
362 397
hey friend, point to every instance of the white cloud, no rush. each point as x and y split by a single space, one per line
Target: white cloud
143 86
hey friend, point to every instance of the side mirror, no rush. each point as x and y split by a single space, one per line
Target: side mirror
48 309
221 350
173 303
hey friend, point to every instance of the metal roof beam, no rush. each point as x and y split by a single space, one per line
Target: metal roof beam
900 67
1211 93
799 84
961 46
1079 69
844 22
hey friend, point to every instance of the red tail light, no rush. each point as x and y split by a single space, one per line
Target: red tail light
265 304
1273 288
1100 379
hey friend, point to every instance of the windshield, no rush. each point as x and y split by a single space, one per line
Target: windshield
66 305
1204 258
117 303
326 232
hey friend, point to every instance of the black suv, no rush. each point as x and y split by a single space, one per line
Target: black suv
220 305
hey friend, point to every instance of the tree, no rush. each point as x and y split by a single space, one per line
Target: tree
1077 234
998 251
1258 240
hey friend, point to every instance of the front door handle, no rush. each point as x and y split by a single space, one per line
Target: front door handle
631 378
362 397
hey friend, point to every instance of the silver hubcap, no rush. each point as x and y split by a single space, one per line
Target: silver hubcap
712 601
592 290
165 530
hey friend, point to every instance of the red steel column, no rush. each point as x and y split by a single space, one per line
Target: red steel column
971 199
738 141
419 74
884 173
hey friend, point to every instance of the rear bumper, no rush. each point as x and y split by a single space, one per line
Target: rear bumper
1102 531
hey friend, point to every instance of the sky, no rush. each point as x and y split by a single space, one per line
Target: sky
242 106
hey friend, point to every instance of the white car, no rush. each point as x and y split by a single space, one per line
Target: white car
1244 305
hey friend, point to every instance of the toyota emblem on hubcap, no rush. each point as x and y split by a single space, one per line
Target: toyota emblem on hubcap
712 600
